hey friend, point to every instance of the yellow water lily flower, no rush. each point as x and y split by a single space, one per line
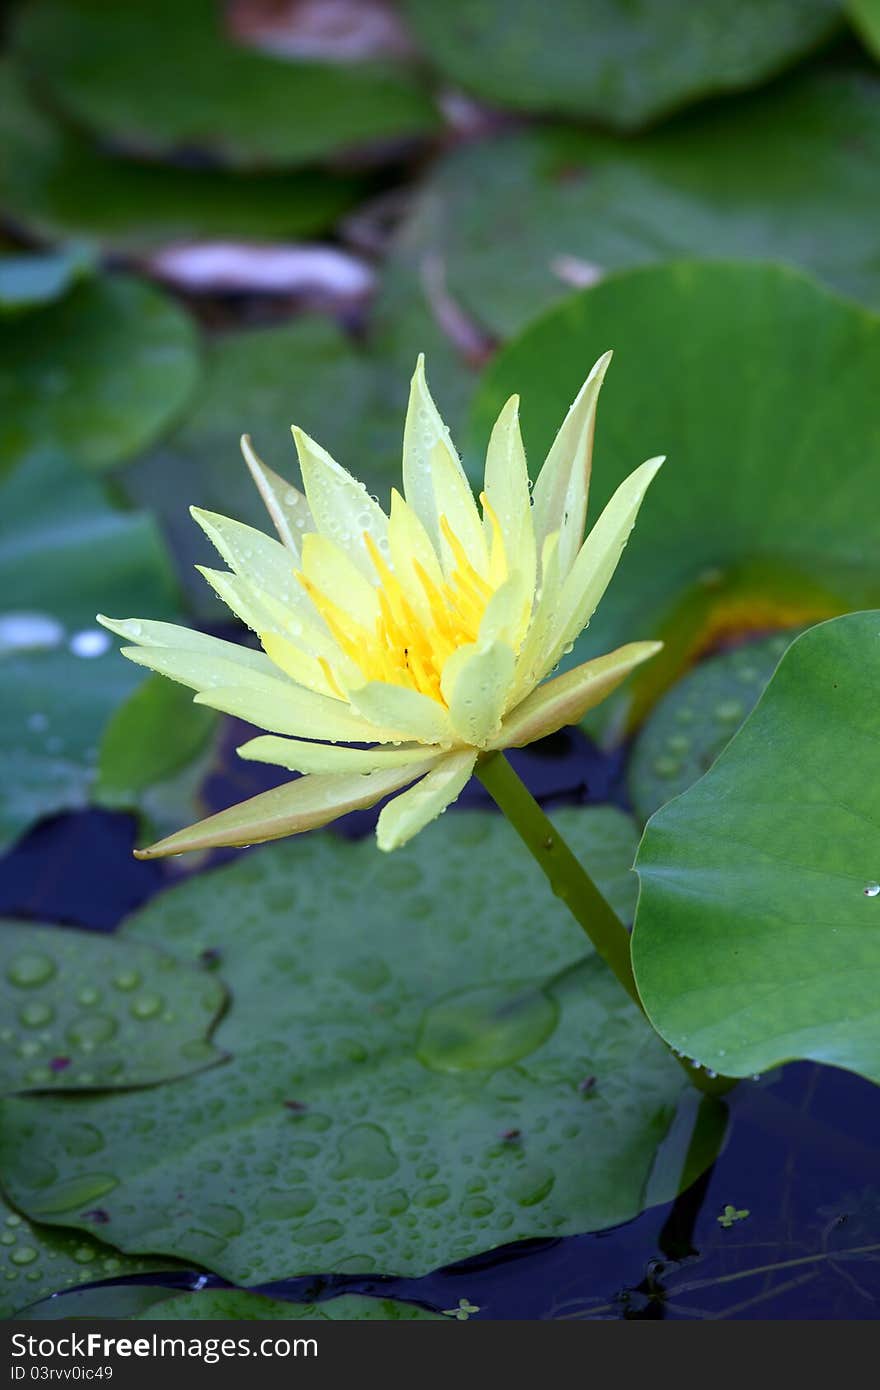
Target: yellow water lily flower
425 634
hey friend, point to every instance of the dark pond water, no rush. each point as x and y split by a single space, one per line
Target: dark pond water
802 1153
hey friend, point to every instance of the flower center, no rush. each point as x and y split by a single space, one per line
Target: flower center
409 647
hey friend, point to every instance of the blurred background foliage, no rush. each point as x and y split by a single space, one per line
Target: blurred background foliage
219 218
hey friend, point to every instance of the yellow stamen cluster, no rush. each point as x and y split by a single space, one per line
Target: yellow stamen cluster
407 648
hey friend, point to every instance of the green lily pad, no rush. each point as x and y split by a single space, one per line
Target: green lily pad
56 182
242 106
865 17
795 184
760 387
260 383
29 278
97 375
619 62
85 1011
64 555
223 1305
687 729
758 931
385 1108
37 1261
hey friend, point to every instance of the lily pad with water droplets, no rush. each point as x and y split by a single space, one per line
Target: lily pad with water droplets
65 554
82 1011
619 62
689 726
365 1122
97 375
758 937
760 388
37 1261
222 1305
219 99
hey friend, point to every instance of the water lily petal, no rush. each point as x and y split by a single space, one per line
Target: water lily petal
507 488
397 706
543 626
300 805
285 504
410 545
434 482
185 639
409 813
298 712
300 666
508 611
239 597
567 698
560 495
331 569
251 553
203 671
476 684
341 506
299 756
597 560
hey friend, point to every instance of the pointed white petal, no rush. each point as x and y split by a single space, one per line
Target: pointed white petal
299 713
476 684
300 805
399 707
507 488
597 560
331 569
560 495
285 504
434 482
203 671
530 666
185 639
566 699
410 545
299 756
341 506
409 813
299 665
251 554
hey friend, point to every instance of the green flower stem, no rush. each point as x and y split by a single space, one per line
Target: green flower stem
570 881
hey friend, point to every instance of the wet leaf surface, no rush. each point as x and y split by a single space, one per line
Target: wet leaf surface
383 1110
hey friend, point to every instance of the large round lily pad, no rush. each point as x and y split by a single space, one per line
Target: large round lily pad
795 184
260 383
760 387
97 375
622 62
64 553
83 1011
689 726
101 65
758 931
424 1065
54 181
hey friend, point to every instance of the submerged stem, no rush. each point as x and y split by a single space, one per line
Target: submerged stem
570 881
